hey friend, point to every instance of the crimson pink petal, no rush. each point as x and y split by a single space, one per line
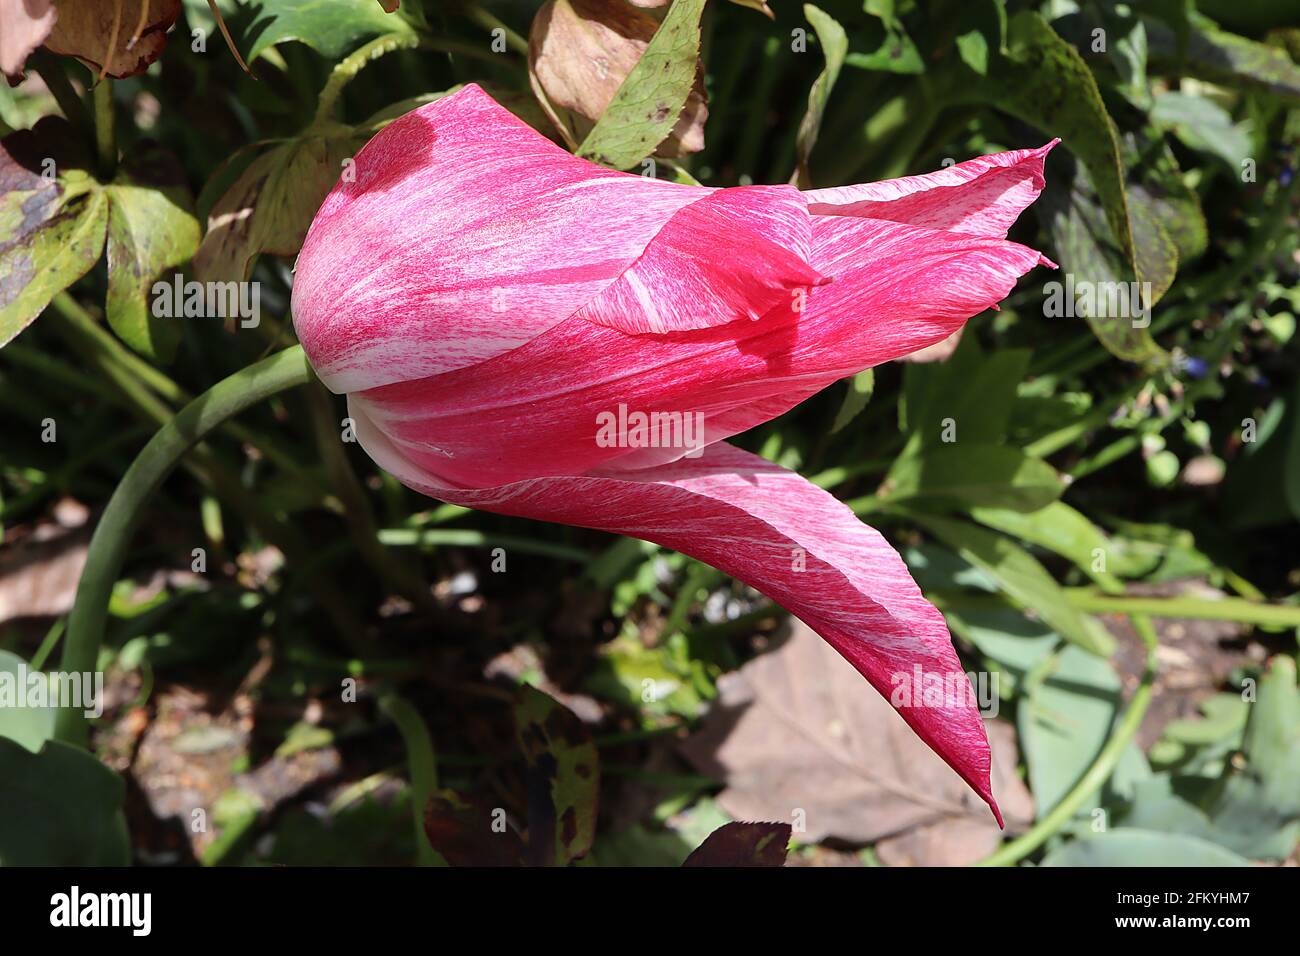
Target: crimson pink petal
532 412
734 254
462 234
980 197
762 524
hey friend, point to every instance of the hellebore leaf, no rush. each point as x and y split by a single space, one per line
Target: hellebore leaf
117 39
330 27
968 475
53 217
834 43
60 807
1125 847
151 230
581 51
743 844
563 779
649 102
1115 308
1022 578
269 208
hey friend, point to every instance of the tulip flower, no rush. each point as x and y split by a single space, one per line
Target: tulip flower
523 332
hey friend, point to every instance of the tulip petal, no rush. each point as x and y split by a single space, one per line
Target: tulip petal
774 530
897 288
734 254
461 235
980 197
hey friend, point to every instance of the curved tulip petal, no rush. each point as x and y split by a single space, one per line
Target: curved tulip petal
896 289
463 234
980 197
781 534
735 254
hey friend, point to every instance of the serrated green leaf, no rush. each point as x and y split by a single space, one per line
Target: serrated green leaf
330 27
652 97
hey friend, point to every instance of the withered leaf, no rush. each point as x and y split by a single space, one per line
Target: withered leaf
798 735
114 37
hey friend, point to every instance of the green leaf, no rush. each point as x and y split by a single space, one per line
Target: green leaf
1130 847
652 97
973 47
834 44
1082 239
1221 57
1021 578
1061 529
330 27
973 391
60 807
1045 82
151 231
563 778
27 726
1064 721
855 399
1257 809
896 52
1202 124
968 475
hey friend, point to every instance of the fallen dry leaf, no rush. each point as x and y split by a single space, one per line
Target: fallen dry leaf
580 51
115 37
797 729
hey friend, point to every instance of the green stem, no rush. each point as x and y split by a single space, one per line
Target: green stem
354 63
1205 609
423 766
56 80
105 134
112 536
1096 775
490 22
356 507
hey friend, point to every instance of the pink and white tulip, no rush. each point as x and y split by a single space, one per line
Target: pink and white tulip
484 298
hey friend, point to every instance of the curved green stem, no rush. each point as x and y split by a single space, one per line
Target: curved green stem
108 546
490 22
105 133
423 766
353 63
1101 769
